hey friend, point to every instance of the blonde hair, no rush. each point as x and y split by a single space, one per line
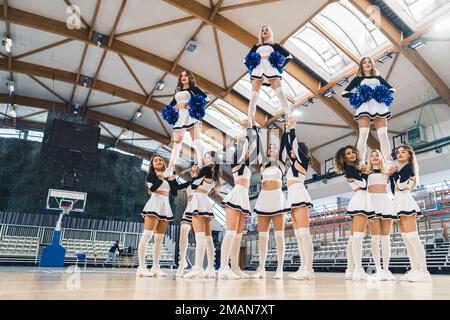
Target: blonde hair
374 71
260 38
382 163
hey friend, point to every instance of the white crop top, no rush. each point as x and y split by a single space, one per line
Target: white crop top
182 96
207 186
377 178
264 51
371 82
290 176
163 187
246 175
272 173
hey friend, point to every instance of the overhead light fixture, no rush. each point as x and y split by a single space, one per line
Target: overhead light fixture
342 82
13 112
417 44
100 39
85 81
385 57
138 115
160 86
10 86
7 43
191 46
329 93
308 102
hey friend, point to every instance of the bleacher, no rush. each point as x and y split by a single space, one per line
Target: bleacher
331 256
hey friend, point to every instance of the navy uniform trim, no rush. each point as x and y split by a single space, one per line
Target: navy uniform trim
236 207
154 214
384 216
410 213
198 213
268 77
372 116
368 214
184 127
269 214
302 204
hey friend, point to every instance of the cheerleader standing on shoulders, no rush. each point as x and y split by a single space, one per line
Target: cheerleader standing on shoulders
407 210
237 208
359 208
187 89
381 224
271 205
157 214
265 62
201 212
300 201
186 223
372 100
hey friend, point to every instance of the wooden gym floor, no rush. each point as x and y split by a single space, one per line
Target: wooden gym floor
17 283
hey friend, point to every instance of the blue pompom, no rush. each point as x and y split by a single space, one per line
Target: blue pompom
170 115
382 94
365 93
355 102
197 106
278 61
252 60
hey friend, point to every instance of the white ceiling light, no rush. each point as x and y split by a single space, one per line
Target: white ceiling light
160 86
7 43
191 46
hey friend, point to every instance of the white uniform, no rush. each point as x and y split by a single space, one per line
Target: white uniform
381 202
238 197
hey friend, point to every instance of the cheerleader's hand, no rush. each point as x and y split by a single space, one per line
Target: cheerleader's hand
291 122
293 154
247 124
393 170
171 178
195 170
363 168
160 175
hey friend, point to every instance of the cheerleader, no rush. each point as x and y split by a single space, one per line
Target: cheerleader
371 110
408 212
237 208
265 62
271 205
186 89
381 224
300 201
359 208
157 214
200 210
186 223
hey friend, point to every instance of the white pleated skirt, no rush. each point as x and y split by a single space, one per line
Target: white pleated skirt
199 206
405 205
361 204
158 206
382 205
271 203
373 110
298 196
238 199
265 70
185 121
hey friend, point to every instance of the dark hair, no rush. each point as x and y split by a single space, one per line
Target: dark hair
216 170
339 160
304 148
192 82
150 166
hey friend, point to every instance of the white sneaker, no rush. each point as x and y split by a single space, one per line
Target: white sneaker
241 274
408 274
144 272
227 274
194 273
158 272
259 274
302 275
388 276
180 270
421 276
379 275
348 274
359 275
278 274
209 273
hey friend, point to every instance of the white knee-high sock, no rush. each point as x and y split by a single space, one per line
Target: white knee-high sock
198 146
199 249
410 252
300 248
235 250
157 249
183 244
386 251
174 156
280 246
307 247
357 250
385 146
226 248
284 101
362 143
350 260
418 249
375 244
252 105
263 246
210 252
142 247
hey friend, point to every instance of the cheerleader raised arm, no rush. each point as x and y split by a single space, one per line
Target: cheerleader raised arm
371 96
265 63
